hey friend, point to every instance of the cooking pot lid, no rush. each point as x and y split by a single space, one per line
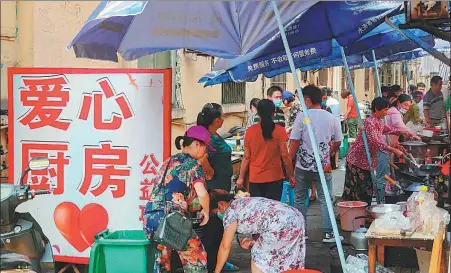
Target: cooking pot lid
413 143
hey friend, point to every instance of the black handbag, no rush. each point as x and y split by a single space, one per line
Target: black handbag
175 229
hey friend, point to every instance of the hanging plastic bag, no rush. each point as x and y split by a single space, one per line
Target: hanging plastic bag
424 216
359 264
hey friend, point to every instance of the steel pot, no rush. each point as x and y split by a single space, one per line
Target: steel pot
358 239
377 211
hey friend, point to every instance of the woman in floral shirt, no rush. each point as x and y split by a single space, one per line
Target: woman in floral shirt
281 242
358 183
185 190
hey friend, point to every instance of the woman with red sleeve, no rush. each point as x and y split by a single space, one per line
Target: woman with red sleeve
358 182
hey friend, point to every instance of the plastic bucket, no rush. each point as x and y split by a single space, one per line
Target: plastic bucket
348 211
424 260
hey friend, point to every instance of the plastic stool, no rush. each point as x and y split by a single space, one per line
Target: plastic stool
287 190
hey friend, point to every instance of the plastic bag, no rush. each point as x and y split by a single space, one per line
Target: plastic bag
416 128
424 215
359 264
394 220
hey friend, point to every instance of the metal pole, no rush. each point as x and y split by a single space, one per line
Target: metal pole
307 121
362 128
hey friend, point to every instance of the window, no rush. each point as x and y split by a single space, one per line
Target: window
323 77
344 78
389 76
280 80
396 77
367 79
233 92
382 76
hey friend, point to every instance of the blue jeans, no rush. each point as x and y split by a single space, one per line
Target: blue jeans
382 169
304 180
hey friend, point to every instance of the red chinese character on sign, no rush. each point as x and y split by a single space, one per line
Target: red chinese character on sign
44 179
146 189
47 100
102 161
149 163
142 209
107 92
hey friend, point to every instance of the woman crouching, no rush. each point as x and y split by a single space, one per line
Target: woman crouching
281 242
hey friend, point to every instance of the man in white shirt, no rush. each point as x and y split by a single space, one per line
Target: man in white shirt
333 103
334 106
328 135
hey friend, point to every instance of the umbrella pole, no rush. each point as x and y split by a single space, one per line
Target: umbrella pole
365 140
308 122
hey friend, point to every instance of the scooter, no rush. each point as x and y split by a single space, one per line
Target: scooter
23 244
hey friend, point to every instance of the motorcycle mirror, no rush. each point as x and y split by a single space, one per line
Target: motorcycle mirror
38 163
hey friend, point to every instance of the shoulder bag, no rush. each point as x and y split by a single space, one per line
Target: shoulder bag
175 229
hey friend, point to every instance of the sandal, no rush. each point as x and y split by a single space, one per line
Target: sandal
228 267
312 198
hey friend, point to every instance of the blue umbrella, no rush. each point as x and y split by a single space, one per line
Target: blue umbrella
382 35
224 29
138 28
335 59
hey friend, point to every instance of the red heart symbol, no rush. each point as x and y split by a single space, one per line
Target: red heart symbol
79 227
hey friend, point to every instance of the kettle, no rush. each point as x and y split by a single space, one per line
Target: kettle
358 239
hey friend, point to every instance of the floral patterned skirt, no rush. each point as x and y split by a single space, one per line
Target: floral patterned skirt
193 258
358 184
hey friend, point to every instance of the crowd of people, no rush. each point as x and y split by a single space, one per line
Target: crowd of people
277 150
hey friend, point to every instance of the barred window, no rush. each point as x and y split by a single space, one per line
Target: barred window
280 80
233 92
367 79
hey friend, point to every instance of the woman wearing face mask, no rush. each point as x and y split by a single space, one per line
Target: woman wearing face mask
324 100
358 183
281 242
185 191
395 119
293 106
218 169
252 112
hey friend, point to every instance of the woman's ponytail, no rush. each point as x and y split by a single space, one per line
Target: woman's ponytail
266 110
177 142
186 142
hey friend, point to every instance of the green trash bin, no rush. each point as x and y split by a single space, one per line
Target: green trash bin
122 251
344 146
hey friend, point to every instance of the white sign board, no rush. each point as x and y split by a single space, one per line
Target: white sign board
105 131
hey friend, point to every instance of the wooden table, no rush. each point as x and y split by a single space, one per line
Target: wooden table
377 244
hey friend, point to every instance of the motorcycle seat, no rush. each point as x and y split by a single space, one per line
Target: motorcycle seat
12 260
